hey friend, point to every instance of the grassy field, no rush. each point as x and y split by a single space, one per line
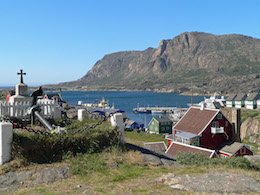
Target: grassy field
119 172
139 138
245 114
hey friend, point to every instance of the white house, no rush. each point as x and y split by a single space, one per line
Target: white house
251 101
240 100
230 102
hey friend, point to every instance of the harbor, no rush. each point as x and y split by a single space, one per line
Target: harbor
154 110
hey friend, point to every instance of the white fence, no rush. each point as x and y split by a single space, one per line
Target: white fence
49 109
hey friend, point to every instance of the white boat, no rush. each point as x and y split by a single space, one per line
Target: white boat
101 104
215 101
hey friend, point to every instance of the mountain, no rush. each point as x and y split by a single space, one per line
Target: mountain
202 62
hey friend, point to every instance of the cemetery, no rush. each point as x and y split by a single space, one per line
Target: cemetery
38 130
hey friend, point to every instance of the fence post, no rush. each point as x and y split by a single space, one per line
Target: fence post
6 137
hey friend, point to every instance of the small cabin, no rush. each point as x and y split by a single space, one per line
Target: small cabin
230 102
177 148
240 100
251 101
160 125
132 125
235 149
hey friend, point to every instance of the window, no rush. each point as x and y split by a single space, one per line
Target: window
243 150
219 116
215 124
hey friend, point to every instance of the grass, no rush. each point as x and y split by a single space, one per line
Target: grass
121 172
140 138
111 172
201 160
246 113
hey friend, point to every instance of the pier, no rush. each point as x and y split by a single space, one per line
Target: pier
154 110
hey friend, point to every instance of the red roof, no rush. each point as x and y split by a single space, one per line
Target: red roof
176 147
196 120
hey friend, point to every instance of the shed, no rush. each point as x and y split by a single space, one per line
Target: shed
131 125
177 148
235 149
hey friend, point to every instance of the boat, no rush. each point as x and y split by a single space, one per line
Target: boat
215 101
103 103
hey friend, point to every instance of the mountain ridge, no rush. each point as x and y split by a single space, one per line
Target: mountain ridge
197 61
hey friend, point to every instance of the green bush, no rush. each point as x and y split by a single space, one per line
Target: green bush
202 160
47 148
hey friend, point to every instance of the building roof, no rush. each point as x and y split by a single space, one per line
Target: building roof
185 135
158 147
162 119
233 148
240 97
176 148
196 120
252 96
231 97
129 122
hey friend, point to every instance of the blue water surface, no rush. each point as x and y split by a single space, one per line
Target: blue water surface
128 100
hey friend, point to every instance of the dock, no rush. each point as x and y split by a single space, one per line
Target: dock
154 110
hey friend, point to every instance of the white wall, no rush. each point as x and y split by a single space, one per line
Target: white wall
6 138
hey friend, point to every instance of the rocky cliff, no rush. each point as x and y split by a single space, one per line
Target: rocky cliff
250 127
201 61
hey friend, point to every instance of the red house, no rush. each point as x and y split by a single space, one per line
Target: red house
235 149
203 127
176 147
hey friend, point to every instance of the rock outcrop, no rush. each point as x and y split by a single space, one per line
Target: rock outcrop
250 127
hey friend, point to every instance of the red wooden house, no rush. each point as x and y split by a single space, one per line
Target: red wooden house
235 149
176 148
203 127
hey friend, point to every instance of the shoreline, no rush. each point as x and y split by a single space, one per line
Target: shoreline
55 89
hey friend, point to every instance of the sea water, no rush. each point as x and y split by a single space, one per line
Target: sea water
128 100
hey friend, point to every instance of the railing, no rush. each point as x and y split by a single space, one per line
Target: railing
216 130
19 109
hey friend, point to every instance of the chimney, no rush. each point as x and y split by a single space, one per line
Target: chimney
236 122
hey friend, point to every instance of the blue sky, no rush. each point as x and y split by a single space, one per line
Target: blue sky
60 40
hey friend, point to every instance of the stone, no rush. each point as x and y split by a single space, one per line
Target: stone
6 137
21 89
167 162
152 160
